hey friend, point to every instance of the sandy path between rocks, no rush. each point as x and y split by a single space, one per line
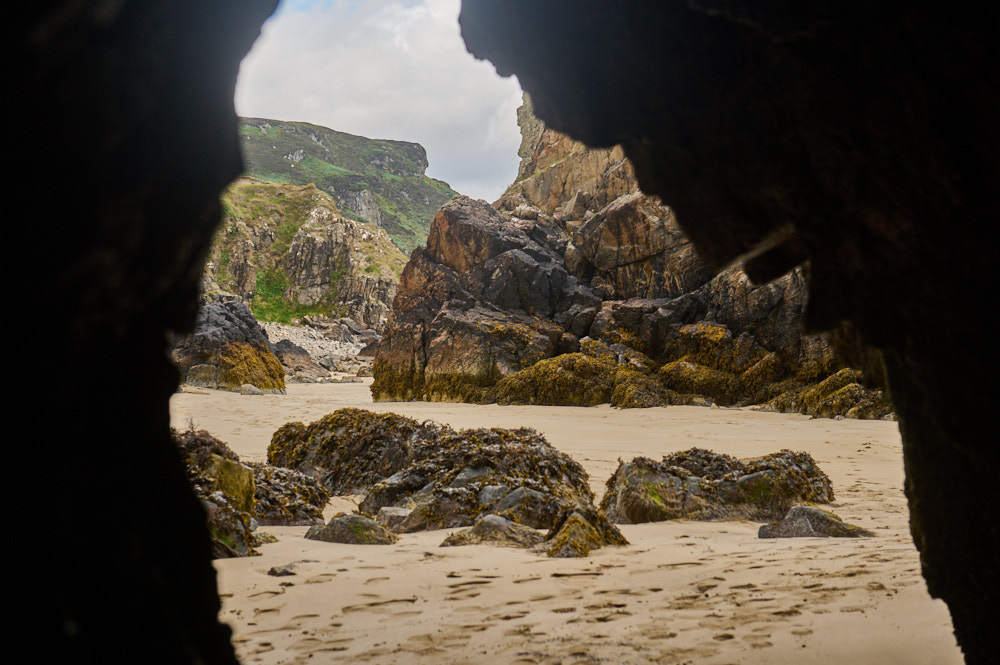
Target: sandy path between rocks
682 592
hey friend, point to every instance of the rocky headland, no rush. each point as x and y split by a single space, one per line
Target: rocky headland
372 180
576 288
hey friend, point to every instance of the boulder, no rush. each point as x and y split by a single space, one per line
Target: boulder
811 522
352 529
422 476
580 531
699 484
495 530
227 350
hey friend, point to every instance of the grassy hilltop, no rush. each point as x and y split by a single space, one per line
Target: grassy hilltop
373 180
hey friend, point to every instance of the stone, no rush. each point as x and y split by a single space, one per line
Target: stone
283 497
811 522
228 349
392 516
352 529
580 531
703 485
495 530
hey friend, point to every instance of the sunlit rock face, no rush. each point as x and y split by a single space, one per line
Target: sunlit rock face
857 141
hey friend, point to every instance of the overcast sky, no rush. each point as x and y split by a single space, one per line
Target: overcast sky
388 69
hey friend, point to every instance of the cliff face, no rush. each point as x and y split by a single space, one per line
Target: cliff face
371 180
289 252
573 249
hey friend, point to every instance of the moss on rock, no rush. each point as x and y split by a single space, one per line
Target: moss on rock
243 363
684 376
572 379
352 529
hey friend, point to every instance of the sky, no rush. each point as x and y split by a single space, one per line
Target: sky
388 69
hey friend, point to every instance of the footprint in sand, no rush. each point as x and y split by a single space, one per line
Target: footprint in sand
376 606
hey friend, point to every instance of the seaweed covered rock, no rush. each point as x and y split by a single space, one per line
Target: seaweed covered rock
840 394
225 488
433 476
235 495
498 305
461 476
349 450
228 349
495 530
811 522
703 485
283 497
580 531
571 379
353 529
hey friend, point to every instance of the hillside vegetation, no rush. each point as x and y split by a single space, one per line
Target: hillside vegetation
373 180
289 252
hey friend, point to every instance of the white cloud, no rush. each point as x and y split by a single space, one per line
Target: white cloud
390 69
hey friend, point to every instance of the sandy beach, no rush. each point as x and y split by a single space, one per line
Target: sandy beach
682 592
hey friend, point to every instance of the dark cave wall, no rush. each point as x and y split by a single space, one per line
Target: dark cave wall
860 141
125 134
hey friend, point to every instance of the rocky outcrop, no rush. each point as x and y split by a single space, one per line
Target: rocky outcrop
496 306
376 180
228 349
289 252
702 485
424 476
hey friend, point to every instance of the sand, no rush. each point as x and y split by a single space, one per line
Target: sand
682 592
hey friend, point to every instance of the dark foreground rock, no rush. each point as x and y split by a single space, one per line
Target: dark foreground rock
228 349
354 529
811 522
702 485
